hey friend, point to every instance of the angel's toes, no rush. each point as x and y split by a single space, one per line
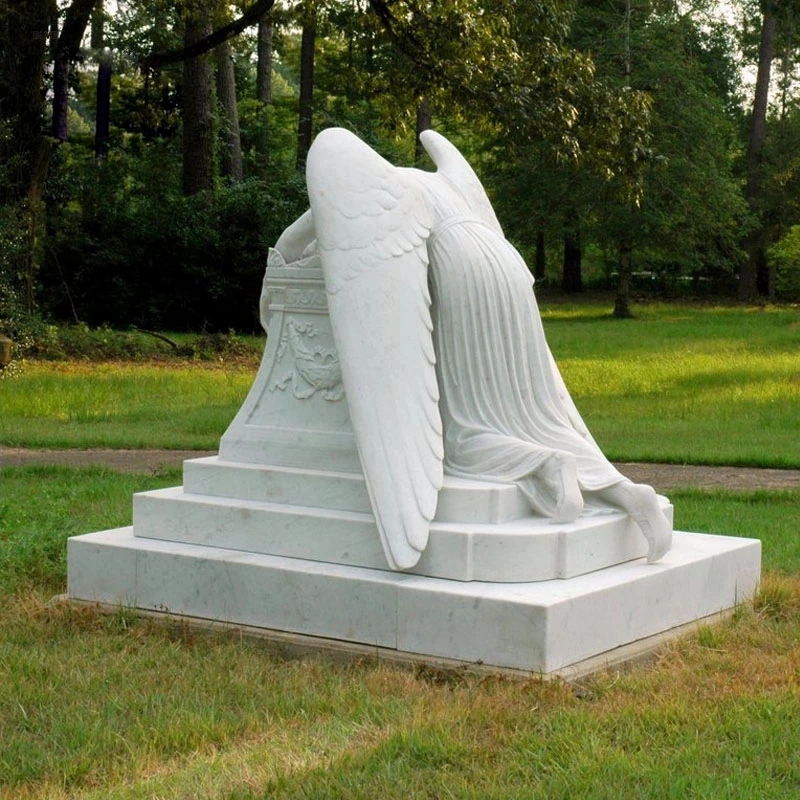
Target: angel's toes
657 530
660 544
568 510
569 500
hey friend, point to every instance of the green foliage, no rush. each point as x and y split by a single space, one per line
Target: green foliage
778 206
615 121
131 250
17 321
655 139
682 65
785 256
79 342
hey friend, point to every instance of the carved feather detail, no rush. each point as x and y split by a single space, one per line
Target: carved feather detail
372 224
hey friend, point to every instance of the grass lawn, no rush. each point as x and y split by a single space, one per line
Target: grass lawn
113 707
121 404
685 384
680 383
106 707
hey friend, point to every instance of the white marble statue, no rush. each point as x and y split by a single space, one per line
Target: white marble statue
441 348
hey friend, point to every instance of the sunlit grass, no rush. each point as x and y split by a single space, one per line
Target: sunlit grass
692 385
771 516
678 383
76 404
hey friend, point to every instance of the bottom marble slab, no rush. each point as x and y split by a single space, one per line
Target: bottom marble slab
539 627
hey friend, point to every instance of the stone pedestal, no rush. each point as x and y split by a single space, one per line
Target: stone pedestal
277 533
541 626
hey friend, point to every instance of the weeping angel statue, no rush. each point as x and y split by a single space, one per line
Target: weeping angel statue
443 357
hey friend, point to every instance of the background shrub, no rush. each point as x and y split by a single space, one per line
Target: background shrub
127 248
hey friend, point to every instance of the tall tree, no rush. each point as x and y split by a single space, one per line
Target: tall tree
230 138
66 51
98 26
666 226
26 28
754 267
572 276
103 114
264 60
250 16
307 52
198 115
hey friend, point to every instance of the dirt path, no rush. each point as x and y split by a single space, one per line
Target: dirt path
661 476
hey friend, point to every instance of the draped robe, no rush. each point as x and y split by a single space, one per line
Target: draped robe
505 409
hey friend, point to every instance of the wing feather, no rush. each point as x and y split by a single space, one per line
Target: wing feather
372 225
453 166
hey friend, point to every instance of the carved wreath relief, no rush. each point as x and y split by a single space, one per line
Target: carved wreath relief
316 367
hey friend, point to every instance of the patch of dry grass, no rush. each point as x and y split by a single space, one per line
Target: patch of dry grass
134 709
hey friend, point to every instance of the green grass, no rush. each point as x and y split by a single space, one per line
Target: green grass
685 384
680 383
113 707
42 506
771 516
119 405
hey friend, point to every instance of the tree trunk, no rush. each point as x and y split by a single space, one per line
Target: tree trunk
264 66
103 118
539 262
572 278
622 304
22 60
198 118
98 26
231 161
305 116
27 25
65 53
60 129
250 16
423 124
753 268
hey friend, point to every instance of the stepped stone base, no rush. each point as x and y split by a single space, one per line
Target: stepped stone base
540 626
483 531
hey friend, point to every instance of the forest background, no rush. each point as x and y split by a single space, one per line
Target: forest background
150 153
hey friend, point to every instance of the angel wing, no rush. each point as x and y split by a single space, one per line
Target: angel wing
452 165
372 223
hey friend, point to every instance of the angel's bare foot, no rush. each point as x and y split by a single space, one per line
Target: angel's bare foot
641 502
560 472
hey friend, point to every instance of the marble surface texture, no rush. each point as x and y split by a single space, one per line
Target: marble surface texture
482 530
542 626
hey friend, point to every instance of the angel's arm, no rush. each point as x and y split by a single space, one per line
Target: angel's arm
296 238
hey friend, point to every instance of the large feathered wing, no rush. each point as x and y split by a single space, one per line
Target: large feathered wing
372 225
452 165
